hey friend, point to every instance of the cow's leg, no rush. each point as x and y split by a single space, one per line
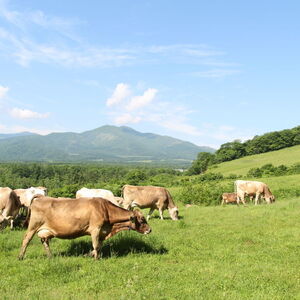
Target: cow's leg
45 243
150 213
96 243
161 213
11 224
27 238
256 198
243 199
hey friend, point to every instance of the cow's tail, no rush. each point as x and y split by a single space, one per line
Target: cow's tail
26 222
171 203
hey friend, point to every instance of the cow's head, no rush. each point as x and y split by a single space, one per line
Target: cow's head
173 213
272 199
139 223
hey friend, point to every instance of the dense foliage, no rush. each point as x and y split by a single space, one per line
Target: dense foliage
259 144
66 179
268 170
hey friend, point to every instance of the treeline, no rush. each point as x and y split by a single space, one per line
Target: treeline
268 170
259 144
66 179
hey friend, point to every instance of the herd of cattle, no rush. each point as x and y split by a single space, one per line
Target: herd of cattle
98 213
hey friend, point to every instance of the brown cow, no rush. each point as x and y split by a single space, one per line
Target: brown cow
229 198
250 188
72 218
152 197
9 206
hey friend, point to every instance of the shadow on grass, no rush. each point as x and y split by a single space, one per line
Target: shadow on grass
120 247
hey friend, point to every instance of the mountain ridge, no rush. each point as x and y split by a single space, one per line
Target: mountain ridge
106 143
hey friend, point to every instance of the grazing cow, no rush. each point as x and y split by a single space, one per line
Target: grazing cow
229 198
152 197
89 193
251 188
26 195
9 206
72 218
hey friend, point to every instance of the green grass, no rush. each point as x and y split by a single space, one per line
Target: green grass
287 156
210 253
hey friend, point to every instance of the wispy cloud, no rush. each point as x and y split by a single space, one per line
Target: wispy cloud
147 108
3 91
19 113
216 73
20 29
141 101
121 92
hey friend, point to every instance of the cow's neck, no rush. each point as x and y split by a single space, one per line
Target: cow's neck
117 227
118 214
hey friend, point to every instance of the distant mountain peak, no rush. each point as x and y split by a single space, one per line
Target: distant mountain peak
106 143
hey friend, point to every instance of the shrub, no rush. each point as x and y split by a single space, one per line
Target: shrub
203 194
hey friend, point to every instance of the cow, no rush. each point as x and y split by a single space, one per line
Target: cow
229 198
253 188
26 195
72 218
89 193
152 197
9 206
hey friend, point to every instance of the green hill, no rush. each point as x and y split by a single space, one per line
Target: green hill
107 144
287 156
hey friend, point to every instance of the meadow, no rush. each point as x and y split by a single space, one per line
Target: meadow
210 253
286 156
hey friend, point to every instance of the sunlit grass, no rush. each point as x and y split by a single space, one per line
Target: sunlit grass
210 253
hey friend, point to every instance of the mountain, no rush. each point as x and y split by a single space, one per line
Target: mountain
11 135
106 143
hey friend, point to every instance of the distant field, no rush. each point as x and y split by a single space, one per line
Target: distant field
211 253
287 156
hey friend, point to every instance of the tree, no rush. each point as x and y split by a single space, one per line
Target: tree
200 164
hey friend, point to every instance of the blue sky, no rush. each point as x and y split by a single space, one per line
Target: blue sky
207 72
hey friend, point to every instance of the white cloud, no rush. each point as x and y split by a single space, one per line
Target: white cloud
127 119
19 113
3 91
141 101
121 92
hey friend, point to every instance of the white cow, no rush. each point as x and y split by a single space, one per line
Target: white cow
26 195
252 188
89 193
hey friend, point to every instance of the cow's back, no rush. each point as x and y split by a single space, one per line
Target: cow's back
66 217
144 196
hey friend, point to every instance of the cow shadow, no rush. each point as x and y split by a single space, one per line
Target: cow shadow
120 247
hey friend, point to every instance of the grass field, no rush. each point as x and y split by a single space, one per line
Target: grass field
287 156
210 253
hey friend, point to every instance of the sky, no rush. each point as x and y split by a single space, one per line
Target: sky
208 72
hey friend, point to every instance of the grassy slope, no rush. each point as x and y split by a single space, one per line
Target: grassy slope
211 253
287 156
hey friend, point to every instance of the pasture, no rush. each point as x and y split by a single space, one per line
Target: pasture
241 166
210 253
